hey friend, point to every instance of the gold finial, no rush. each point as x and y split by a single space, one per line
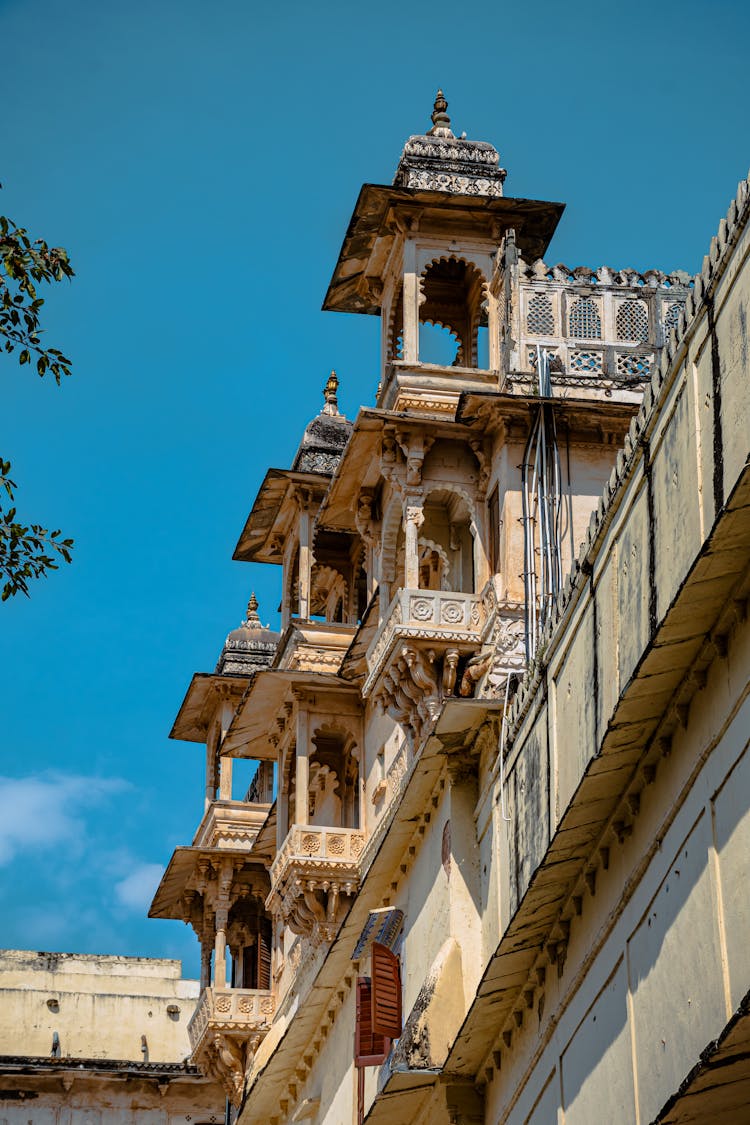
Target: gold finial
329 394
252 611
441 122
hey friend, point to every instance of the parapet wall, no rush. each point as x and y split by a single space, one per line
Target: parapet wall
99 1007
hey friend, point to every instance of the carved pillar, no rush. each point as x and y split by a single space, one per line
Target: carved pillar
411 303
302 777
413 520
225 778
304 501
222 916
211 743
481 562
206 949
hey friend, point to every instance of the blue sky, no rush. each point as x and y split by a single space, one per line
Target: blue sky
200 163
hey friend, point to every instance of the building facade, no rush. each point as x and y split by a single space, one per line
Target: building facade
90 1040
493 865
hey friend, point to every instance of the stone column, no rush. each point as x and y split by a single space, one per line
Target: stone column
302 777
222 916
305 554
210 768
493 332
411 303
413 520
481 562
225 778
206 948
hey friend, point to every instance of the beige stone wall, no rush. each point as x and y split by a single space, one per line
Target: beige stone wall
656 964
96 1100
100 1007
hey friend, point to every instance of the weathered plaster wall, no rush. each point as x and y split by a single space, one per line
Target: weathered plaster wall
624 866
99 1006
95 1100
672 967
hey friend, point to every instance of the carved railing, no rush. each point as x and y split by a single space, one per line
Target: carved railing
311 843
315 870
615 341
432 615
236 1011
231 824
225 1031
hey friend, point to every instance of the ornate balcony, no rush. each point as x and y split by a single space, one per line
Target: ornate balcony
225 1031
425 638
315 871
231 824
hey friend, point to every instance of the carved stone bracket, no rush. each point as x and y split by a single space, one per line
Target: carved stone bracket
313 878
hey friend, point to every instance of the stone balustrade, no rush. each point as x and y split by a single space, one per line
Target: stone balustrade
239 1012
315 871
439 616
231 824
339 847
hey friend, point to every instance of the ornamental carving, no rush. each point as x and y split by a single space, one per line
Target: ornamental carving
225 1032
313 878
451 612
420 609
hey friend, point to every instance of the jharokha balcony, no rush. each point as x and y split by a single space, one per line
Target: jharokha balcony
225 1031
315 873
425 649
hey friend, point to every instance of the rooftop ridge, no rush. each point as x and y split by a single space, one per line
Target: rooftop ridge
603 275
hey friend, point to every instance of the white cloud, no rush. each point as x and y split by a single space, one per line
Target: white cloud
137 889
46 811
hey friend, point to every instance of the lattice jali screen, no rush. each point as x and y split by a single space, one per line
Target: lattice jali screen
671 316
632 321
584 320
634 366
585 363
540 315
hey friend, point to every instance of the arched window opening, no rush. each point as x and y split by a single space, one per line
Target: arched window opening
334 780
438 344
453 299
328 595
446 543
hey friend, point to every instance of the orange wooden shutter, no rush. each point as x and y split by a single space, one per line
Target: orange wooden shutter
369 1049
386 992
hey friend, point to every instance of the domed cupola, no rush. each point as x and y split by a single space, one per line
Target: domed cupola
249 648
439 161
325 436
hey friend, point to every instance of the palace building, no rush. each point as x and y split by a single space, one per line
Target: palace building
493 864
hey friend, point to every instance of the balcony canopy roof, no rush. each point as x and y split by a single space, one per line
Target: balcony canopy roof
255 719
380 212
